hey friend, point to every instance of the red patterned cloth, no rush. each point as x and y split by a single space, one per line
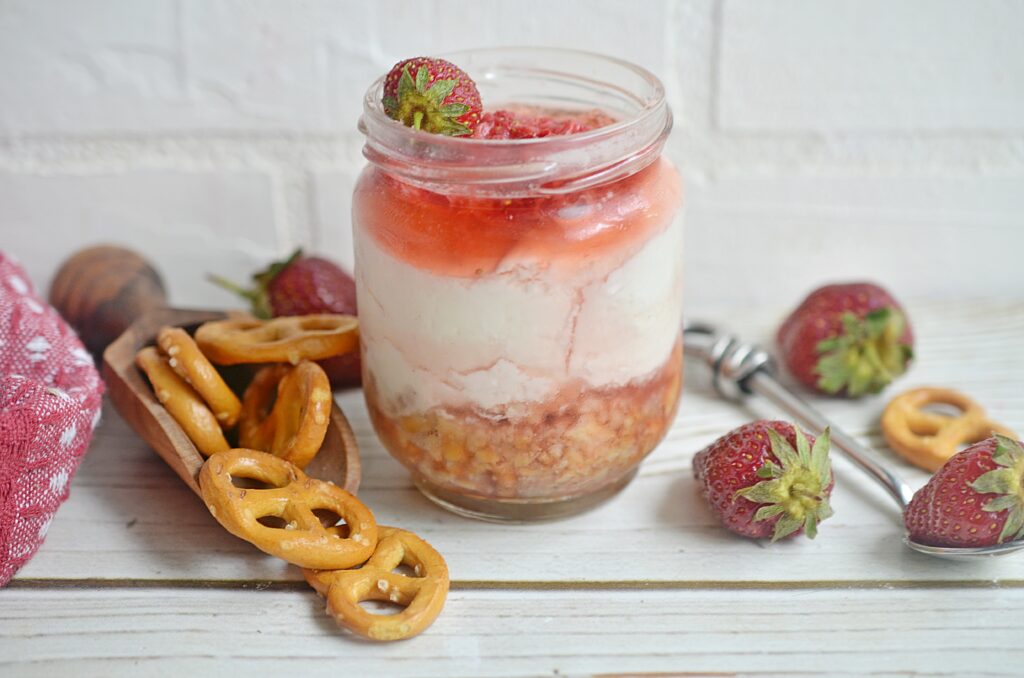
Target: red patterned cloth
50 397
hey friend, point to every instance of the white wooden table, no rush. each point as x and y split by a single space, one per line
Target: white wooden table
137 578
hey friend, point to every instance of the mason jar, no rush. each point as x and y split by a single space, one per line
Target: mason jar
520 300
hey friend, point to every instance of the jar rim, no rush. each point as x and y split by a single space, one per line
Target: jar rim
552 164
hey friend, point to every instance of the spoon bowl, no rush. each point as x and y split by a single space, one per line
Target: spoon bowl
337 461
963 553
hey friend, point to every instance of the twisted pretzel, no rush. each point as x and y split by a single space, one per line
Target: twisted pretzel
295 428
182 402
185 358
928 439
281 340
423 595
292 497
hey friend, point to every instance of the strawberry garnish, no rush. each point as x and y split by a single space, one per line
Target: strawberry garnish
759 486
432 95
847 339
975 499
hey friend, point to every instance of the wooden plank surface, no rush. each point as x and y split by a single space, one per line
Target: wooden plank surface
129 516
515 633
135 576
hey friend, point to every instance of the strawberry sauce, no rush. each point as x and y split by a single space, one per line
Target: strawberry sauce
464 236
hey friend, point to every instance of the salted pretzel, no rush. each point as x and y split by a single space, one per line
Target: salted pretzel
182 403
929 439
285 411
185 358
291 499
281 340
422 594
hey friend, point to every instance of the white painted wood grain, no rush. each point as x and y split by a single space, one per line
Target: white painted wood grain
837 632
129 516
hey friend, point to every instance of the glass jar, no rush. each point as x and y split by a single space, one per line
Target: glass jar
520 301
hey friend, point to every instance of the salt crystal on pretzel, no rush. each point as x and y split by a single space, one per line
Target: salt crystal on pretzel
190 364
182 402
291 497
295 426
422 595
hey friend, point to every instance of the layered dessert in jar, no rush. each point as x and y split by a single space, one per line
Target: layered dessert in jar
520 294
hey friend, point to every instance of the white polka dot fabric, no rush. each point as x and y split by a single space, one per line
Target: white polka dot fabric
50 397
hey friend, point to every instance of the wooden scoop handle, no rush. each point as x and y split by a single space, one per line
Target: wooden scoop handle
101 290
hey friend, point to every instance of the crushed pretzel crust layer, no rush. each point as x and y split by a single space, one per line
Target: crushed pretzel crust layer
575 443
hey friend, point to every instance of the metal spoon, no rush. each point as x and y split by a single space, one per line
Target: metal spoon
740 370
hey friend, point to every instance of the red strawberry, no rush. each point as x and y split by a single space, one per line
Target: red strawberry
847 339
758 485
303 285
975 499
432 95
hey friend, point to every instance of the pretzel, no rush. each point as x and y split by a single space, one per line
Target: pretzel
182 402
928 439
281 340
293 497
185 358
422 595
295 428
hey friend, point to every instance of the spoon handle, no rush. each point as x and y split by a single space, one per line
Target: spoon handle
740 370
764 384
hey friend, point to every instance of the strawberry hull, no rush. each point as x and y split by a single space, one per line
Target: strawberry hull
759 484
846 339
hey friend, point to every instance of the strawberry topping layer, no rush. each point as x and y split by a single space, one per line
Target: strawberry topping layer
506 124
466 237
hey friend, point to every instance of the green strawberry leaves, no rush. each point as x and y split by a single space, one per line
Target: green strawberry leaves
866 356
796 489
1007 481
419 104
258 295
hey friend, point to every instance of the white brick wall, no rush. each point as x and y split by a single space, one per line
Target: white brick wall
187 223
818 138
871 65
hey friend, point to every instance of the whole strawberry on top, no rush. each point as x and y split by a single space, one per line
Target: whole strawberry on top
432 95
759 486
975 499
847 339
302 285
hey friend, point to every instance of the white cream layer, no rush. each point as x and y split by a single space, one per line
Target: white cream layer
516 335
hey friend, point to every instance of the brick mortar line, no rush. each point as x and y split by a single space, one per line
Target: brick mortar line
761 155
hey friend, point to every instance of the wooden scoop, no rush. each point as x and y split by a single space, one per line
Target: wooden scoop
337 461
